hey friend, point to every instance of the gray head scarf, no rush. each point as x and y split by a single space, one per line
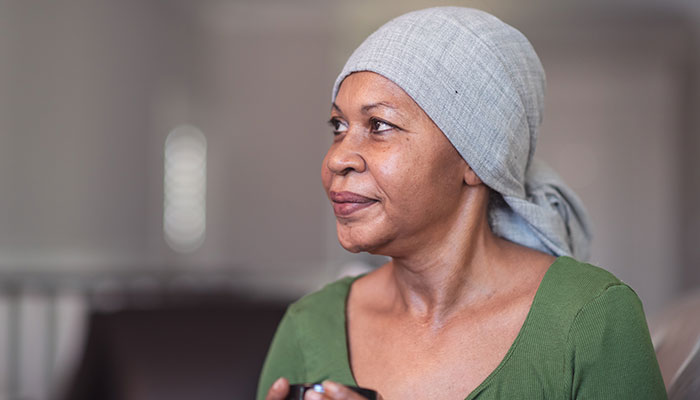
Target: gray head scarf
482 84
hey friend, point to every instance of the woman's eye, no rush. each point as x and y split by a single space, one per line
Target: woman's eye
379 126
338 126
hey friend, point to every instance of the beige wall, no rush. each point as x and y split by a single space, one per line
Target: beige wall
89 91
613 128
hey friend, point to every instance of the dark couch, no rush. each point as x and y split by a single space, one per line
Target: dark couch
206 351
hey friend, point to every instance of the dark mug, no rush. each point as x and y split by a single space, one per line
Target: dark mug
296 392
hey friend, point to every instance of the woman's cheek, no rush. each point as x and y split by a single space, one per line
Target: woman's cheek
326 174
392 168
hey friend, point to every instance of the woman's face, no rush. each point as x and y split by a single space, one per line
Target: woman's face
393 178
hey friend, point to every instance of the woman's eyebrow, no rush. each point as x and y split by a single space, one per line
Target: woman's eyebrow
368 107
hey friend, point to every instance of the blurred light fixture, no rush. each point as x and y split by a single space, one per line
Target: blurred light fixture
184 200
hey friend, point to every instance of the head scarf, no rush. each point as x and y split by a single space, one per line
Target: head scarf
482 84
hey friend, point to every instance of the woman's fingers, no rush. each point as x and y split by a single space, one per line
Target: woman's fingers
278 390
333 391
337 391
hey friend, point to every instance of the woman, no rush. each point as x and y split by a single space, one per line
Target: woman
435 118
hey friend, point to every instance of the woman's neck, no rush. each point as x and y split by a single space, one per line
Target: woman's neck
460 268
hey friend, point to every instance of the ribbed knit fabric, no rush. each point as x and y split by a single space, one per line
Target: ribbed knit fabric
585 337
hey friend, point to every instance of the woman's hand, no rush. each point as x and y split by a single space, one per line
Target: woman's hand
278 390
335 391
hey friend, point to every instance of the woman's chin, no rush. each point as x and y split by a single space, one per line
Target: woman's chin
354 246
356 243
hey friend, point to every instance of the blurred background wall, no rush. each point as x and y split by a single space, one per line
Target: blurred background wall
90 90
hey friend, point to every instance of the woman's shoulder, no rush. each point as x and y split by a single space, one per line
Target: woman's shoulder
570 286
326 301
608 350
578 282
587 318
309 344
317 321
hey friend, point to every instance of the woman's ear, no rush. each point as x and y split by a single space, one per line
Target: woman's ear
470 177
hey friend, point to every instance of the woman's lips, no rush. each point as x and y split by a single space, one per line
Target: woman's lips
346 203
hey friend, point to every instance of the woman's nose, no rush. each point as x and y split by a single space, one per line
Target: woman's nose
346 156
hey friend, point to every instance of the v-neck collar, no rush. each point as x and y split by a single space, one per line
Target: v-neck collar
350 377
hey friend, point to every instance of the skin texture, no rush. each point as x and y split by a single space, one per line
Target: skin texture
411 169
441 315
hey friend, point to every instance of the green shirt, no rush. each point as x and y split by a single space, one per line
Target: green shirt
585 337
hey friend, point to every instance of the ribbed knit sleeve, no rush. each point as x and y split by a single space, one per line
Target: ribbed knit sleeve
609 350
284 358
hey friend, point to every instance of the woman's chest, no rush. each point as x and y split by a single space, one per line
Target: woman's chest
402 360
